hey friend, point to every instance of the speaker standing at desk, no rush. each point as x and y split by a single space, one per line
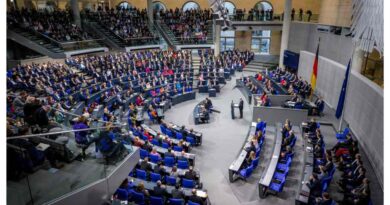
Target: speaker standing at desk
241 107
232 109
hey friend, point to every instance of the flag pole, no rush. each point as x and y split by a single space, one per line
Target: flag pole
346 91
316 57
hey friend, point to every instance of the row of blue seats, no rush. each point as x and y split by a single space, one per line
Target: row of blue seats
282 169
173 134
167 161
169 180
155 141
247 172
139 198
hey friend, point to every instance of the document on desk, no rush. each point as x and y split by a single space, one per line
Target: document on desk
201 193
42 146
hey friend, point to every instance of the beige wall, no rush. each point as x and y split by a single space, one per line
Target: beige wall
275 42
243 40
336 12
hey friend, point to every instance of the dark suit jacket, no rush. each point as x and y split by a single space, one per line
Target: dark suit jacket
159 192
241 105
177 194
145 166
190 175
195 199
315 188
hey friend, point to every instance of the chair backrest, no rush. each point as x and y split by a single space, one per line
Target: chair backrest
156 200
144 137
332 171
169 133
179 136
255 162
291 155
182 164
141 174
163 129
249 171
260 125
177 148
169 161
154 177
191 140
137 197
154 158
192 203
155 142
143 153
122 194
170 180
346 131
292 144
324 187
176 201
187 183
165 145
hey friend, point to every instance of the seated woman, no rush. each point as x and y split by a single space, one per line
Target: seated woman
82 137
248 161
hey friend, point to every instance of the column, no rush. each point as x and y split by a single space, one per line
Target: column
357 60
76 12
217 39
150 10
285 30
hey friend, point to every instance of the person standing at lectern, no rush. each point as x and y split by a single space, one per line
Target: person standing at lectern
241 107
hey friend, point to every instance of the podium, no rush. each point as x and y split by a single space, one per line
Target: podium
233 106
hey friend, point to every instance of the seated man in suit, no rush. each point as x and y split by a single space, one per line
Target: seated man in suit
169 153
145 165
194 198
178 193
314 185
190 174
160 191
324 200
159 169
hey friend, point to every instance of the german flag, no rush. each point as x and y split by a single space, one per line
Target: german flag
315 68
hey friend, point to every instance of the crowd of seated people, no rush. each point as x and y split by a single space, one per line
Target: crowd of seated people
323 166
291 82
146 140
266 82
253 150
58 24
49 110
158 194
188 135
126 23
190 26
213 68
285 158
144 69
353 182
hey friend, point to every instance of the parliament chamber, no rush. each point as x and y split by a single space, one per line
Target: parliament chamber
194 102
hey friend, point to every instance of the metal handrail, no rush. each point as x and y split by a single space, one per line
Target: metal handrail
83 41
60 132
